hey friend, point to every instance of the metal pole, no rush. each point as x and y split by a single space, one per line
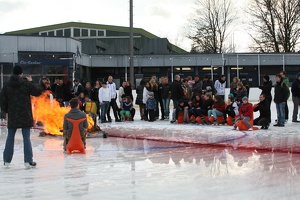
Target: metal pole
283 63
74 67
1 76
237 66
131 45
258 68
172 70
126 61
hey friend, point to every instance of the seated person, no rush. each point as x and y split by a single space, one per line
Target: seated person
183 107
206 106
218 108
126 107
132 111
196 104
263 107
74 113
231 110
245 113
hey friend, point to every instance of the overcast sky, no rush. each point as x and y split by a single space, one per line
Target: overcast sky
164 18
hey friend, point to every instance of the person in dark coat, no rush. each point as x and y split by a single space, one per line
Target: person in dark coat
266 88
139 98
15 101
263 107
176 92
296 97
281 95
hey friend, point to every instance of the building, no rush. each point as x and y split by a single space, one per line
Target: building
92 51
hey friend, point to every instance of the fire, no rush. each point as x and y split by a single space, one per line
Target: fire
49 112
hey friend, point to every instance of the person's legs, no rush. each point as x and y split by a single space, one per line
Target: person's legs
282 113
9 145
122 114
115 109
103 112
27 145
296 108
246 121
286 111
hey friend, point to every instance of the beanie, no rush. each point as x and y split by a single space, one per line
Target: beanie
17 70
298 74
266 77
151 94
245 99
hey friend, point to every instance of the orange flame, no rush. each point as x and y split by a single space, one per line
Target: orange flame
51 114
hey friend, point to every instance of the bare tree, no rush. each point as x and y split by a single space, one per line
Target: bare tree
209 26
275 25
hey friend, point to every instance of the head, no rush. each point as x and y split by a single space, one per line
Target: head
266 78
110 79
278 78
223 77
235 80
56 80
230 99
87 98
128 84
189 78
177 77
76 82
207 96
283 74
124 84
17 70
123 97
151 95
185 82
262 97
196 78
81 95
154 77
217 98
74 103
88 85
298 75
198 97
206 78
245 100
104 84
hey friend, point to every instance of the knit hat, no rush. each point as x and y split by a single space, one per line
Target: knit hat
266 77
151 94
231 95
245 99
17 70
298 74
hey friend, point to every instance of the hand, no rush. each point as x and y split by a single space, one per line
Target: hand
29 78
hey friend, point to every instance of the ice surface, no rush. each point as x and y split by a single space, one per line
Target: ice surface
123 168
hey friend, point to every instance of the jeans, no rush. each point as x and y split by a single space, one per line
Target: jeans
280 107
166 104
10 142
215 113
296 101
104 108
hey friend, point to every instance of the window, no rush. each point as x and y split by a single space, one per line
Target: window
84 32
51 33
100 33
76 32
44 34
93 33
59 33
67 32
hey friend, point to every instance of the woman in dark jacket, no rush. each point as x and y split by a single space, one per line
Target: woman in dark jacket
139 98
266 88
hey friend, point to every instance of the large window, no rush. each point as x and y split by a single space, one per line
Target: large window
76 32
84 32
51 33
67 32
59 33
93 33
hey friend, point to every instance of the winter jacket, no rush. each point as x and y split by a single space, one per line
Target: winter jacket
139 95
207 104
296 88
197 88
165 91
151 104
232 108
220 108
264 109
74 113
266 88
220 87
176 90
15 100
281 92
246 110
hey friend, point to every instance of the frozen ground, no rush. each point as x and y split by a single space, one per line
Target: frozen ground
123 167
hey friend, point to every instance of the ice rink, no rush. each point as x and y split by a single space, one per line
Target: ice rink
160 161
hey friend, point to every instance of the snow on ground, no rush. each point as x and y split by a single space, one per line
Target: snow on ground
122 168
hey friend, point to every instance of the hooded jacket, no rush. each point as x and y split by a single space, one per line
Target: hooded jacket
15 101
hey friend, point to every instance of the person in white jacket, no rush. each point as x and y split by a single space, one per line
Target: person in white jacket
220 85
146 92
104 100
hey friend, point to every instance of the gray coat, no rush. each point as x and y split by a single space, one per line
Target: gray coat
74 113
16 102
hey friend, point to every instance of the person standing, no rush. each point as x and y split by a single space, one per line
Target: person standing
113 92
176 93
287 83
281 92
165 95
266 88
104 100
15 101
296 97
139 98
197 87
220 85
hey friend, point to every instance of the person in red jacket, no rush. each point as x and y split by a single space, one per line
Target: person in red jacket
245 113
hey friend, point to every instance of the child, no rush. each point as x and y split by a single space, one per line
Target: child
126 107
245 113
151 107
231 110
218 108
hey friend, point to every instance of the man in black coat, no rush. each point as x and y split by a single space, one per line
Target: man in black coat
15 101
296 97
281 95
176 92
263 107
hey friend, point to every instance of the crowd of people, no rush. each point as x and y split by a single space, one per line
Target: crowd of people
192 98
